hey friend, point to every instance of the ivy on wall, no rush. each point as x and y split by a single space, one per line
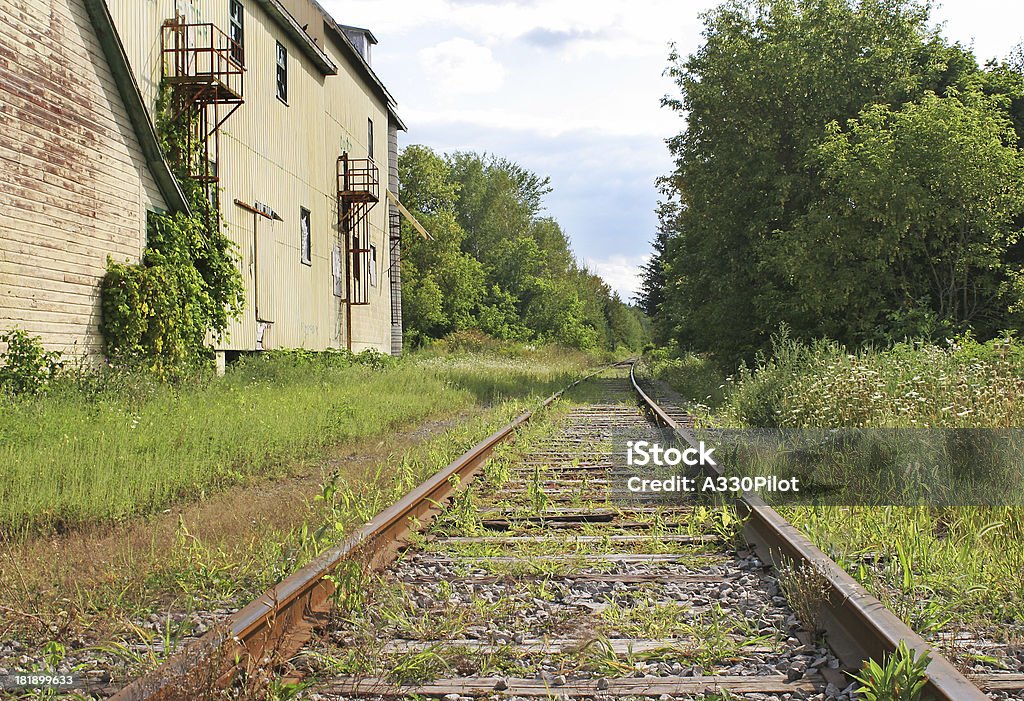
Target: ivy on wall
160 312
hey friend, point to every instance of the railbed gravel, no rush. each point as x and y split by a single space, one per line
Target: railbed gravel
746 591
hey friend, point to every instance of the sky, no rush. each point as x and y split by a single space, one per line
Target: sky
571 89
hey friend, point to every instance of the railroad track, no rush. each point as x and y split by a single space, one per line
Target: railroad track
541 580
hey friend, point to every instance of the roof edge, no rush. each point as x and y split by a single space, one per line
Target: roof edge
313 52
364 30
337 30
131 96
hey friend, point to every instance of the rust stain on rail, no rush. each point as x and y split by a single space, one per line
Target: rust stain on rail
858 625
277 624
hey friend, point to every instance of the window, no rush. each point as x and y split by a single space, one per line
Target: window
336 272
282 73
372 265
369 138
214 192
305 238
237 32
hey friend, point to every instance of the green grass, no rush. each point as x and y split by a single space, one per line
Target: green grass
938 568
108 447
963 383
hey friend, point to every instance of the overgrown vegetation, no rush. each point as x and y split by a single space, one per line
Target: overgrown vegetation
102 588
158 314
25 366
498 266
962 383
105 446
940 569
846 171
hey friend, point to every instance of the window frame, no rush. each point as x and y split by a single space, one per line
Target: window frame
236 23
282 73
305 236
369 137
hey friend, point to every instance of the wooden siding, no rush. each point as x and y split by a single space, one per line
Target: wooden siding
74 184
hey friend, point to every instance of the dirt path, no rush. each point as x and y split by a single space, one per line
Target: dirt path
86 585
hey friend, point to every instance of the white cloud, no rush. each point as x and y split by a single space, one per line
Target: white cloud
626 26
462 67
622 273
546 125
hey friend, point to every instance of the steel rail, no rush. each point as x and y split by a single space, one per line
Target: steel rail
858 625
278 622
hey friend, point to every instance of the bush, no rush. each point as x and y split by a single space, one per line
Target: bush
823 385
27 367
694 377
278 359
470 341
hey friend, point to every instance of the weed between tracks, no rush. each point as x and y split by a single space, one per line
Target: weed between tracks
106 596
502 580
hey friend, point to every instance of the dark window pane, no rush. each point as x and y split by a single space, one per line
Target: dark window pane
282 73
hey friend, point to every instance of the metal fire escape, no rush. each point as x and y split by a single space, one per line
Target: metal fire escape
395 268
205 69
358 193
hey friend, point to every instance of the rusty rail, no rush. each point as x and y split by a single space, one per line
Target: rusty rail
276 624
858 625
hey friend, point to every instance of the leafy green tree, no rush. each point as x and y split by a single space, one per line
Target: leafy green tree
915 222
497 265
625 325
442 285
759 97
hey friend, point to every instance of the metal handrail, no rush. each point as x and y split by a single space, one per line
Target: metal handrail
202 51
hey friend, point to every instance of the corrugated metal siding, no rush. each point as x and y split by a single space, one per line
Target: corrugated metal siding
74 184
349 104
284 156
397 329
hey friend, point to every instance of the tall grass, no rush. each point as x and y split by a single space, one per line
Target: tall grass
823 385
938 568
106 448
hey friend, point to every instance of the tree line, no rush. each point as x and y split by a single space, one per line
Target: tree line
496 264
846 172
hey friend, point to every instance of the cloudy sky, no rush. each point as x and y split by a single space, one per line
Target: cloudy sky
571 89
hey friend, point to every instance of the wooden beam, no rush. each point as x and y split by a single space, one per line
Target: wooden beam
647 686
408 216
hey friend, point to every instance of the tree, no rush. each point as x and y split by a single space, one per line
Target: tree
759 97
497 265
442 286
916 219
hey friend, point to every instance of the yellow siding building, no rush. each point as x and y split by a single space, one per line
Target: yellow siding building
310 107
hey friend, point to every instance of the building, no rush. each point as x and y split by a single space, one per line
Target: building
301 143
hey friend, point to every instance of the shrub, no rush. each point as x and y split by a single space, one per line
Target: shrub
469 341
27 367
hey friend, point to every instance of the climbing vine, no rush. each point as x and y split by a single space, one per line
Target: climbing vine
159 313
